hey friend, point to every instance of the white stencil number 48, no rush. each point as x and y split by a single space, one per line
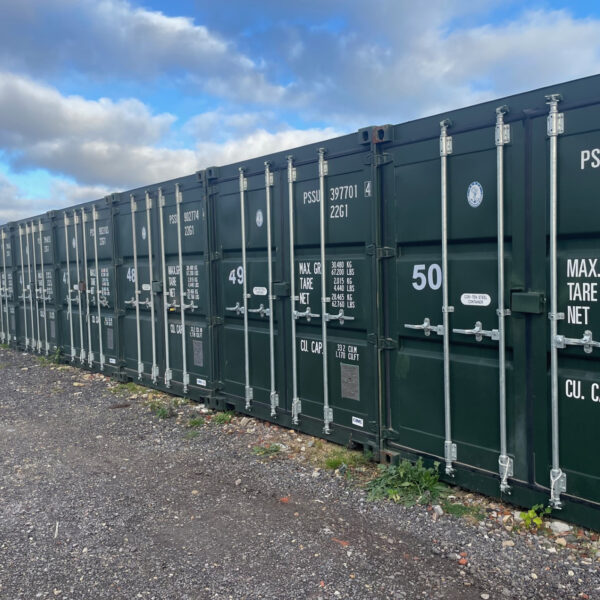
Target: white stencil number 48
424 276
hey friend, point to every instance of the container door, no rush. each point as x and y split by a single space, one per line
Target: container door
566 447
136 227
100 287
334 218
444 388
7 290
249 213
184 268
46 297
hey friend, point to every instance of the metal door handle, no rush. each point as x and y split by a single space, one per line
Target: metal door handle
479 332
103 301
587 341
309 315
427 327
238 308
339 317
132 302
261 310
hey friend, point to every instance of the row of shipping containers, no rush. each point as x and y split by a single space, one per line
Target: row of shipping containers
423 289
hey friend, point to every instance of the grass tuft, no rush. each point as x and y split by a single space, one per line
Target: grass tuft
222 418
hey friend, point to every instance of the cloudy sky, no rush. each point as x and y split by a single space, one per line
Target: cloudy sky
103 95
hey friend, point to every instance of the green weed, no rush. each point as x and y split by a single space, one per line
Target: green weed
222 418
534 517
196 422
407 483
269 450
463 510
190 435
162 410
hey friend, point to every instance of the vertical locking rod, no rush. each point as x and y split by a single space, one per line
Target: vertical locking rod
80 307
86 270
274 396
555 127
502 137
445 150
327 412
166 290
150 281
98 304
136 297
249 394
33 342
46 345
296 405
69 301
182 292
5 286
35 287
3 296
23 287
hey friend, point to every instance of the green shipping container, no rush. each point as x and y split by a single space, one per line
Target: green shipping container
424 289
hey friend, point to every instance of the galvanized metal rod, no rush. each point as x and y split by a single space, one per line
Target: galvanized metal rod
248 390
47 347
296 406
324 298
87 289
182 292
504 461
557 477
5 286
445 150
80 307
69 301
273 396
168 372
151 278
33 342
23 288
140 365
99 307
35 287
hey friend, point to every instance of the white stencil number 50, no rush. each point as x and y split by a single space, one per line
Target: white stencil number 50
424 276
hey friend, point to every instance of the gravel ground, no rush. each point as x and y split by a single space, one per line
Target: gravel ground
100 498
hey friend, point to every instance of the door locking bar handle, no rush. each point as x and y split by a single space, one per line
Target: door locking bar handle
261 310
238 308
587 341
307 314
132 302
479 332
341 317
103 301
427 327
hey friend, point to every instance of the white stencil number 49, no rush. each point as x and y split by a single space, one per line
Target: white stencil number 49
236 275
424 276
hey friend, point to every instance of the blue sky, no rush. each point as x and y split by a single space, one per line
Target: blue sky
103 95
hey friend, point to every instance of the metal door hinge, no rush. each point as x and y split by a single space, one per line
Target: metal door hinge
215 255
384 343
386 252
381 159
216 321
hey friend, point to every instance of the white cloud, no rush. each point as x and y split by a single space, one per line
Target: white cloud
15 203
93 141
258 143
110 39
